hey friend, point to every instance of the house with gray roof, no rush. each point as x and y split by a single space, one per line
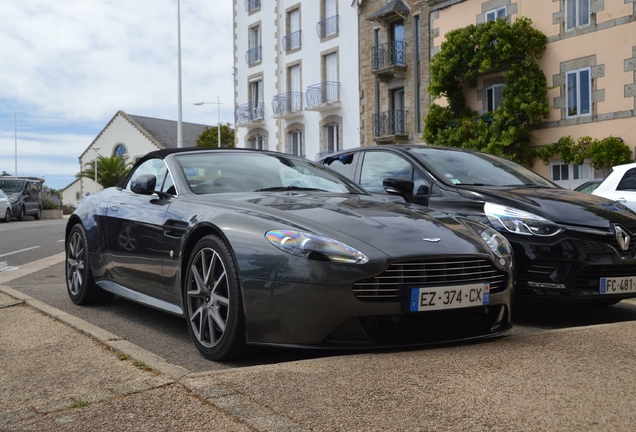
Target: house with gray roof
130 136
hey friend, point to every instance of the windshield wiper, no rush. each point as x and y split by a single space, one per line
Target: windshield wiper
288 188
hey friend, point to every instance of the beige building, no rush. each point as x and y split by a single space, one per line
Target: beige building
589 63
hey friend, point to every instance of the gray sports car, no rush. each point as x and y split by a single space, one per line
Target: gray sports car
263 248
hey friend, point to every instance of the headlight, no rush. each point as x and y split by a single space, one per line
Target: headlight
13 199
519 222
315 247
497 243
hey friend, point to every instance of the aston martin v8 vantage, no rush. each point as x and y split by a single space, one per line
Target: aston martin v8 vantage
263 248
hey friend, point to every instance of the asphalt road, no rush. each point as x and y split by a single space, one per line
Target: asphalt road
166 335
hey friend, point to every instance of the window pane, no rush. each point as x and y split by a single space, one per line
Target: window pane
576 174
585 89
498 99
490 16
570 12
501 12
628 182
490 104
572 109
584 12
556 172
378 165
564 172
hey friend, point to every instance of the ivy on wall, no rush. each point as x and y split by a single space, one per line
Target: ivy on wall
608 151
487 48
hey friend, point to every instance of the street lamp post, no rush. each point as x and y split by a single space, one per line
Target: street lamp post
96 149
15 133
218 128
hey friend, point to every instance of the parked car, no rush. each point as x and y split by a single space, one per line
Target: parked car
263 248
620 185
588 186
5 207
569 247
25 196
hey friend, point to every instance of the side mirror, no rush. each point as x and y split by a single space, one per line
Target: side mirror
399 186
144 184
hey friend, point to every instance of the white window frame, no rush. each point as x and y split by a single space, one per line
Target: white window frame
491 97
331 138
493 14
257 142
295 143
577 174
574 7
578 86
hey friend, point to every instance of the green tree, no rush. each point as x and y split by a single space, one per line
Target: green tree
209 137
110 170
488 48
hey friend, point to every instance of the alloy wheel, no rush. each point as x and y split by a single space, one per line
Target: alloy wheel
75 263
208 297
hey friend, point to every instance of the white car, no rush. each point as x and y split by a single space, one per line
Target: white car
5 207
620 185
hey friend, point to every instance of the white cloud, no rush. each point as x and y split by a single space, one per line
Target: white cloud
74 64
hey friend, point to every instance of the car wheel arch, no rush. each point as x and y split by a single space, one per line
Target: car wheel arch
193 238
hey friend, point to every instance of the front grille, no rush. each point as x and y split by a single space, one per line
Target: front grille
589 277
451 271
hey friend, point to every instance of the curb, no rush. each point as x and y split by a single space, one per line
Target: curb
151 360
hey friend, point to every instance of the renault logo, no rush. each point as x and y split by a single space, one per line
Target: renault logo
622 236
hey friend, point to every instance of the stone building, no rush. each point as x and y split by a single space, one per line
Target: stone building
394 64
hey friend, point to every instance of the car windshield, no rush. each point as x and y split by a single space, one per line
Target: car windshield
11 186
219 172
479 169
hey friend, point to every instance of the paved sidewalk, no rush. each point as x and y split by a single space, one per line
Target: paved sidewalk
59 373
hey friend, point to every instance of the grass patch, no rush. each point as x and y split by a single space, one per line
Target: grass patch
79 404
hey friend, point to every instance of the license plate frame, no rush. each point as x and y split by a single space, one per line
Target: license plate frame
424 299
617 285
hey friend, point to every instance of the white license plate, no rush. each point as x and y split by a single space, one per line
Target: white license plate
425 299
618 285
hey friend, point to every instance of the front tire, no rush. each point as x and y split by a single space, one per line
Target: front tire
20 215
38 215
79 277
213 301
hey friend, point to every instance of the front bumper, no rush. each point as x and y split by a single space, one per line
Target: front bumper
569 269
331 316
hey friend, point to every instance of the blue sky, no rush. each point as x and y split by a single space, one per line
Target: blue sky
69 66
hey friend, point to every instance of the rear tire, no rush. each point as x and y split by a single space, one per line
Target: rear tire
213 302
7 216
79 277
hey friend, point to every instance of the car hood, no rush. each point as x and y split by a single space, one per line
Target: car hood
562 206
396 229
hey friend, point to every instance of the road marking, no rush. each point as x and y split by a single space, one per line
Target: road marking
32 267
5 267
18 251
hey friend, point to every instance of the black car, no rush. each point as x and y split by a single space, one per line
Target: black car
264 248
568 246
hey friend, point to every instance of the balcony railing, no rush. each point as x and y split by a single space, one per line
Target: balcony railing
251 5
327 27
287 103
391 122
292 40
253 55
325 93
249 113
389 54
